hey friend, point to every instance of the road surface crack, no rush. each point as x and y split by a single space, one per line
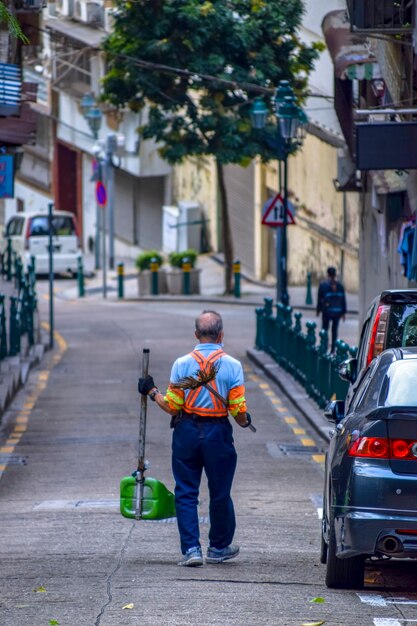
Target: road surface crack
110 577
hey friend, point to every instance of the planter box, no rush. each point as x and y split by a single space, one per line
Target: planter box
145 282
175 280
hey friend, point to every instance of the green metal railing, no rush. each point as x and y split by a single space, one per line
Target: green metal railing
23 303
298 352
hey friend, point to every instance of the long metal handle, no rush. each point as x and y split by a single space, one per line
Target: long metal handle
140 474
226 404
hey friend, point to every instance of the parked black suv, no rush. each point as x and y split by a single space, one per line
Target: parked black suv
390 322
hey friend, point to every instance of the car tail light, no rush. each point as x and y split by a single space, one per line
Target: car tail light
383 448
27 234
379 332
406 531
372 447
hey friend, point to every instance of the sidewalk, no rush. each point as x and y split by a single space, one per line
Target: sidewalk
212 288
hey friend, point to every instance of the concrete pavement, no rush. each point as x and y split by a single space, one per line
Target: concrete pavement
70 559
212 289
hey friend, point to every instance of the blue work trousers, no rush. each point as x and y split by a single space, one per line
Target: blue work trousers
208 445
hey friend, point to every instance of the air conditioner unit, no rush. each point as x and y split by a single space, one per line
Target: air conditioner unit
95 14
65 7
109 19
89 13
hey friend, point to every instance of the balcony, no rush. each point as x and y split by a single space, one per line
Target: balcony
390 17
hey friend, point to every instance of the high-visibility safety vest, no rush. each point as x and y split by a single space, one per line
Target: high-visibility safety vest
228 383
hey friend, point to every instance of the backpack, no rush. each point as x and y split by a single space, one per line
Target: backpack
334 302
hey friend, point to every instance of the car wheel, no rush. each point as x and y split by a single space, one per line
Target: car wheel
343 573
323 545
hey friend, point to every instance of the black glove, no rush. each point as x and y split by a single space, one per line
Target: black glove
249 418
145 385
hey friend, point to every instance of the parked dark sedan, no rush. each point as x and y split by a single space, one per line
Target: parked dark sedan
390 322
370 493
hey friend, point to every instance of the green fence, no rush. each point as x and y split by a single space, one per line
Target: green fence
23 304
304 355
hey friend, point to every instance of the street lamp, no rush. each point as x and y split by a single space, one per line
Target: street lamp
105 161
94 116
291 128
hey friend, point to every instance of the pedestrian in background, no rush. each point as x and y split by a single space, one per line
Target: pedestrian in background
203 439
331 303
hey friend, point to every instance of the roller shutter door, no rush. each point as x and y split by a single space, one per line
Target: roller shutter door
240 192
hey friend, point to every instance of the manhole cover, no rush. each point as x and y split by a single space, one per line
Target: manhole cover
6 459
295 449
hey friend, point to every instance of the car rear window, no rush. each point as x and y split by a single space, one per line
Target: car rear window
402 326
399 387
61 226
14 227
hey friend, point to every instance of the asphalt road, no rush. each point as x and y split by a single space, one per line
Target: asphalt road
69 558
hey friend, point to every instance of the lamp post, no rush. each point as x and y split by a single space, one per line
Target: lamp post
291 124
106 165
93 115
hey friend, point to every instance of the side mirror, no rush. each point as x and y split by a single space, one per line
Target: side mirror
335 411
348 370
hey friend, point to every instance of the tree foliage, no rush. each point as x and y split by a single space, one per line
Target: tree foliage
243 42
12 23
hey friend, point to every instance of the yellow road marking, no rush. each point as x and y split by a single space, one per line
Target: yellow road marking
299 431
282 409
306 441
269 393
276 401
22 417
264 386
290 420
319 458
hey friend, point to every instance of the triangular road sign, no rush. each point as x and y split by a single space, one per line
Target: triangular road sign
273 212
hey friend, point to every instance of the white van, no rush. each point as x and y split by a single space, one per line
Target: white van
29 234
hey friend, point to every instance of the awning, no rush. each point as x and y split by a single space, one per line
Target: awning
350 53
17 131
91 37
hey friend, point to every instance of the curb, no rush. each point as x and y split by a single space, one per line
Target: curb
292 390
14 373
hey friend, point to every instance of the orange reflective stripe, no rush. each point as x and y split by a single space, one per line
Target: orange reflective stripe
192 396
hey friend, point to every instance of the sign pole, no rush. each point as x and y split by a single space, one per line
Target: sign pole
101 196
51 278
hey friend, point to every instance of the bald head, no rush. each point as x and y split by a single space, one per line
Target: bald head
209 327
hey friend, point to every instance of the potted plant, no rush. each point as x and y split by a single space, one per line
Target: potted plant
175 275
144 262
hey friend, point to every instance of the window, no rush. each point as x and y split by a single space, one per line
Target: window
61 226
14 227
402 326
399 388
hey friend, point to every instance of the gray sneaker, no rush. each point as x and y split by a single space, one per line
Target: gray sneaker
214 555
192 558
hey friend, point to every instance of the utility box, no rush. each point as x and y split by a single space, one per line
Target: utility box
189 226
170 230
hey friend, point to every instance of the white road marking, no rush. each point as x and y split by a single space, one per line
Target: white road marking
378 600
320 512
384 621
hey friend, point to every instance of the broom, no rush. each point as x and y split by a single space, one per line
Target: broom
203 378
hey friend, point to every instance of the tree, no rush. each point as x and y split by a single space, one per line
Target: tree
240 44
13 26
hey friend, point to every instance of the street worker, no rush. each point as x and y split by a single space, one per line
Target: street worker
331 303
203 439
